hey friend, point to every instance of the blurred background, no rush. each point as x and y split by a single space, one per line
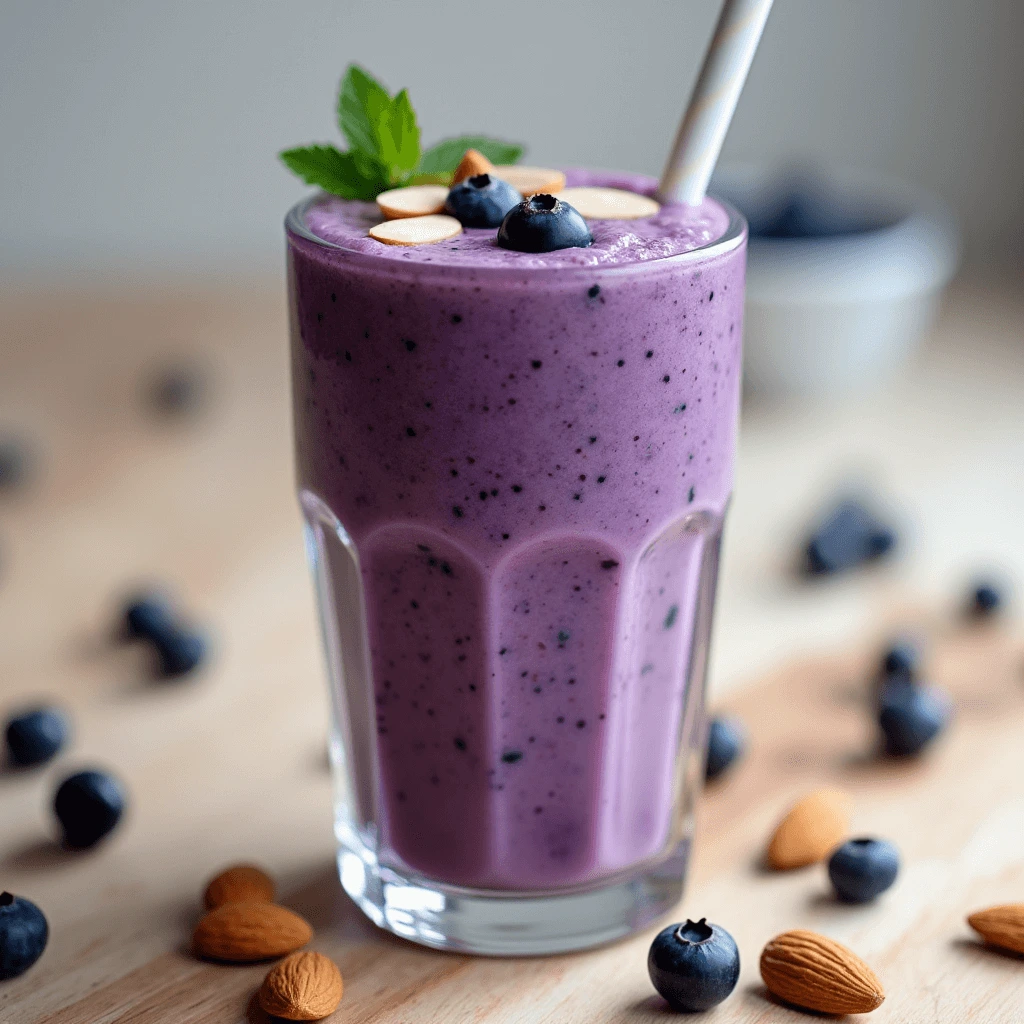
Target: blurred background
141 137
141 207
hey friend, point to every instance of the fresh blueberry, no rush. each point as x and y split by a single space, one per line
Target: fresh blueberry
848 536
35 736
481 201
694 966
911 717
88 805
180 651
861 869
23 935
543 223
726 740
985 600
148 616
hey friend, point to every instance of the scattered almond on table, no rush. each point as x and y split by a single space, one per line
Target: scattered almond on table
246 932
1001 926
240 883
304 986
812 828
817 973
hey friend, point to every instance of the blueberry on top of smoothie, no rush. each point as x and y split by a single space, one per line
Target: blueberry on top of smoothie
481 201
544 223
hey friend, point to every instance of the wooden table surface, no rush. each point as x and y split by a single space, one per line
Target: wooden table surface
232 764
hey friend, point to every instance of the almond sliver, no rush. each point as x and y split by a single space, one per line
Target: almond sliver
473 162
597 203
531 180
414 201
417 230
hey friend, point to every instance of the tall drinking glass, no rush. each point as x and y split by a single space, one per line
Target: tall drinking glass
514 471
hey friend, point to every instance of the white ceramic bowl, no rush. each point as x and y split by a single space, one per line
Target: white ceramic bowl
830 315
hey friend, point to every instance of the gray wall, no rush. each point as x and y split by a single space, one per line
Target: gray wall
143 133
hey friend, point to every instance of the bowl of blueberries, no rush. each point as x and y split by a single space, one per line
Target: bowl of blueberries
845 270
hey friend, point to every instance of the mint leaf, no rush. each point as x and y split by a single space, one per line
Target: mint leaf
363 104
349 175
445 156
398 138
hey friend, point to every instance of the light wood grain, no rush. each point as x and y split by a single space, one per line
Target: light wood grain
232 765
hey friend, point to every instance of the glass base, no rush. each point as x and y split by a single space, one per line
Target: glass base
489 923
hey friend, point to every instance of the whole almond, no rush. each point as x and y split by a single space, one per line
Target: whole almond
244 932
811 829
1001 926
473 162
240 883
304 986
816 973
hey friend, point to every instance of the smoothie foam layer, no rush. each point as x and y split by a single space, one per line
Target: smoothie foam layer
528 474
675 229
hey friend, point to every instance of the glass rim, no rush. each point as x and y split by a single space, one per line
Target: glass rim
733 236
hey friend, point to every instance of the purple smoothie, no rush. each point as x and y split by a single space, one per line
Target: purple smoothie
527 459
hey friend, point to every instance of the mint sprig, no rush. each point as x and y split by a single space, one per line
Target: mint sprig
383 145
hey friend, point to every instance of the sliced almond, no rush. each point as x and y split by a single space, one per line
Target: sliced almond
531 180
414 201
417 230
596 203
473 162
812 828
817 973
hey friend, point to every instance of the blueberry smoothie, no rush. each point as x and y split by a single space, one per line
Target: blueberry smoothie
514 467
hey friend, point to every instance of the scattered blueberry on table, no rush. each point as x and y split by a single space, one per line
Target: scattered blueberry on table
862 869
14 463
911 717
147 616
23 935
481 201
694 965
180 648
726 741
88 805
902 659
544 223
986 599
848 536
178 390
180 651
35 736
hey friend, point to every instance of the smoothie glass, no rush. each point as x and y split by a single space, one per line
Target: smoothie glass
514 472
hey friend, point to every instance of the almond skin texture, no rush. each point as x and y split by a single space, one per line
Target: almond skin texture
473 162
240 883
816 973
812 828
1001 926
305 986
246 932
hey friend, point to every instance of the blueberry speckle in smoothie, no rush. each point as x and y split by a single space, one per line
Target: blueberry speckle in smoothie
536 364
410 345
457 512
512 756
460 743
670 618
609 563
594 290
456 319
